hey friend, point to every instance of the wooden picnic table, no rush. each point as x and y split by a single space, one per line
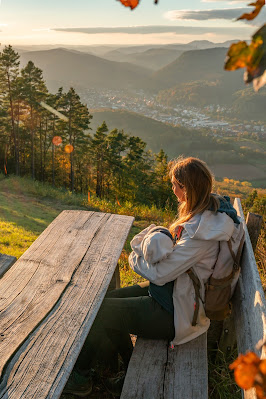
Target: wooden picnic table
50 297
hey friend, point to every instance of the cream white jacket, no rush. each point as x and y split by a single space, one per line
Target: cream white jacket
197 249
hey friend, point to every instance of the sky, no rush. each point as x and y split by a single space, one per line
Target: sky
96 22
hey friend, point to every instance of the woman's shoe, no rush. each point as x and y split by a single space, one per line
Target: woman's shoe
78 384
115 384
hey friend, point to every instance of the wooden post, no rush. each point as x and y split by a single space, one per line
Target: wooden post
115 282
254 223
6 261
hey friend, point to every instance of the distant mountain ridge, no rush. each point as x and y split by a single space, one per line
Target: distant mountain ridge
100 50
153 58
62 67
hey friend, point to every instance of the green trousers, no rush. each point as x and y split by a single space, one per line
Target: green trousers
124 311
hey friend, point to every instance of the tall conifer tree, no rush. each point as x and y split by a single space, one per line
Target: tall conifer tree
9 72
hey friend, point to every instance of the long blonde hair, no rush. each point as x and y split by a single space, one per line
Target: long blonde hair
197 180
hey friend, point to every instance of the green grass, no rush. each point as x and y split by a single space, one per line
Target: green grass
221 380
22 218
27 208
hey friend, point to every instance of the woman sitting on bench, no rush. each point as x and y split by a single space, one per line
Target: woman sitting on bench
164 306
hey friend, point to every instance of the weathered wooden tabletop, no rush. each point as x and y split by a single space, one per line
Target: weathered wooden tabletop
50 297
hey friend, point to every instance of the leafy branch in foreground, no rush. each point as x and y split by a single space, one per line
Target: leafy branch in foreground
258 6
249 372
252 57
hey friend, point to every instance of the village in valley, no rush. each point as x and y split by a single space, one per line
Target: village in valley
212 117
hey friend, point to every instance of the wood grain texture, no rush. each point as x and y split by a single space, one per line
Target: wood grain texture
6 261
81 249
158 372
186 374
145 375
249 302
249 305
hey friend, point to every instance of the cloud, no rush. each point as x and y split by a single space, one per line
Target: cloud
224 13
178 30
201 15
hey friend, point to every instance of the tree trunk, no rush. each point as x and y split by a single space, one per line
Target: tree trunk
41 153
13 125
32 146
53 156
45 151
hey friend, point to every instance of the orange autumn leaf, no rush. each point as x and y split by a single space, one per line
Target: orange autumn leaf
130 3
118 203
89 196
246 368
245 375
57 140
258 6
241 55
69 148
262 366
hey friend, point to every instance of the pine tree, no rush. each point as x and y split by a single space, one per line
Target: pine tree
9 72
98 151
34 91
116 146
162 182
75 131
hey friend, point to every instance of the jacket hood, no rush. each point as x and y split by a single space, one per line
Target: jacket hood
210 225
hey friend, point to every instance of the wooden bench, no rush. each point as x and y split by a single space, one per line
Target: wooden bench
50 297
158 372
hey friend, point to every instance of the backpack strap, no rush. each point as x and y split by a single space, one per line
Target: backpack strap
236 257
197 286
164 231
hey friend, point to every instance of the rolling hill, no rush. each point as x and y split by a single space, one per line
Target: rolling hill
175 141
68 68
153 59
197 65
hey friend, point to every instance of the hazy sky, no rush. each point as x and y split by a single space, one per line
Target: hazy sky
75 21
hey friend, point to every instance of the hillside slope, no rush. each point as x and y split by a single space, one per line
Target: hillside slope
153 59
68 68
226 157
197 65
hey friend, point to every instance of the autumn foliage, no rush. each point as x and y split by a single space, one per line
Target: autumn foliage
258 6
130 3
249 372
252 57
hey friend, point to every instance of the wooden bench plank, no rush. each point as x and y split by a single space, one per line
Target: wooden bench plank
6 261
43 364
145 375
158 372
249 305
186 373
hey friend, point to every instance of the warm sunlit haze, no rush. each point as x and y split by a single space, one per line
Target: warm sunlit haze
79 22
